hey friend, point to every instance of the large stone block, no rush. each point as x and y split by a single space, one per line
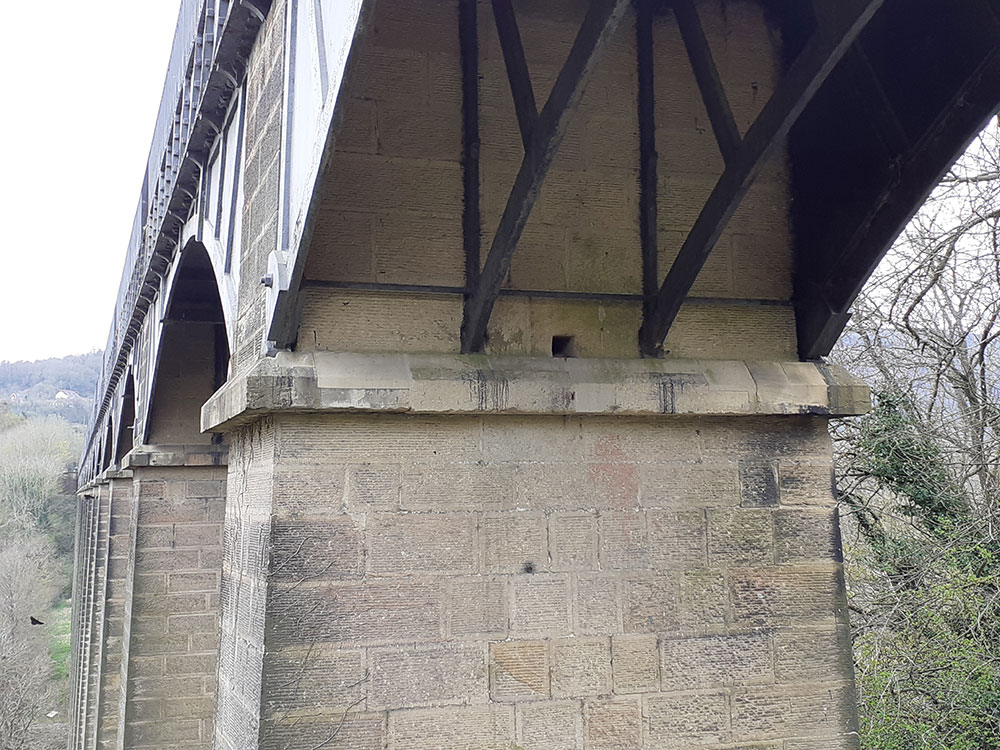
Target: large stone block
612 724
422 543
597 608
682 720
550 725
519 670
651 603
784 596
381 611
807 536
636 663
742 537
581 667
314 678
477 606
806 710
515 543
572 541
404 677
540 606
716 660
463 728
330 549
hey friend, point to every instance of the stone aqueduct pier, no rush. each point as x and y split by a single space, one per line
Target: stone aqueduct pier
465 387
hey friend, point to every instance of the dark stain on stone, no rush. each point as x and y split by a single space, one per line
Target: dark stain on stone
671 385
490 390
758 483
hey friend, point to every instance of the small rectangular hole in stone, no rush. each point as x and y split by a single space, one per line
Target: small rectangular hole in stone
563 346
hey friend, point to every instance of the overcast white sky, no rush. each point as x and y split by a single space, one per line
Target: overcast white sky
80 85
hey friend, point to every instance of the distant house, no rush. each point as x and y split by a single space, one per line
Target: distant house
67 395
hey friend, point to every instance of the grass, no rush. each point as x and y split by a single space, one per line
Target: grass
59 626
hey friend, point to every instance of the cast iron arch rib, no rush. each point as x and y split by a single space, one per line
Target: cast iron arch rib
817 60
713 94
517 69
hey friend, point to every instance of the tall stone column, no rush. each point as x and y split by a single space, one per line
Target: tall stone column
171 596
89 588
431 551
119 484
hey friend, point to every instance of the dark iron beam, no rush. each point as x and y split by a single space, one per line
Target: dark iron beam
887 121
598 27
517 69
825 292
468 20
439 290
803 79
713 93
648 157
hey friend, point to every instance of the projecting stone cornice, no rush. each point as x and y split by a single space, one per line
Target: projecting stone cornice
478 384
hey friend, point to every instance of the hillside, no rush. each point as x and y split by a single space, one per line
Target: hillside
62 386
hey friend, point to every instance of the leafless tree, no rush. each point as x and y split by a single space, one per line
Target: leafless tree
927 326
33 455
920 477
26 590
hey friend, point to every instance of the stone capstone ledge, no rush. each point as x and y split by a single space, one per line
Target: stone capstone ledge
479 384
104 478
160 455
176 455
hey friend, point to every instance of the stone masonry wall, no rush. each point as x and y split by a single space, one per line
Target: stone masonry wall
185 378
172 607
393 200
88 613
538 583
261 175
80 562
245 564
109 706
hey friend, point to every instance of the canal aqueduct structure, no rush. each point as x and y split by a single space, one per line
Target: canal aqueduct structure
465 388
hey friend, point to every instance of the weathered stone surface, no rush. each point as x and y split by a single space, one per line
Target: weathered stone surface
716 660
782 596
572 541
464 728
540 606
813 655
505 551
597 608
382 611
550 725
807 536
581 667
319 381
742 537
519 670
636 664
684 720
807 710
404 677
651 604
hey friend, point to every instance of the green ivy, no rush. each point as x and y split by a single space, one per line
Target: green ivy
928 652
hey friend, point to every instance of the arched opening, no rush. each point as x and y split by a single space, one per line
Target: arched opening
109 446
193 359
126 424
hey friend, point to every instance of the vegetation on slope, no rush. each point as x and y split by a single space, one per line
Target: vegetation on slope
37 518
920 476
